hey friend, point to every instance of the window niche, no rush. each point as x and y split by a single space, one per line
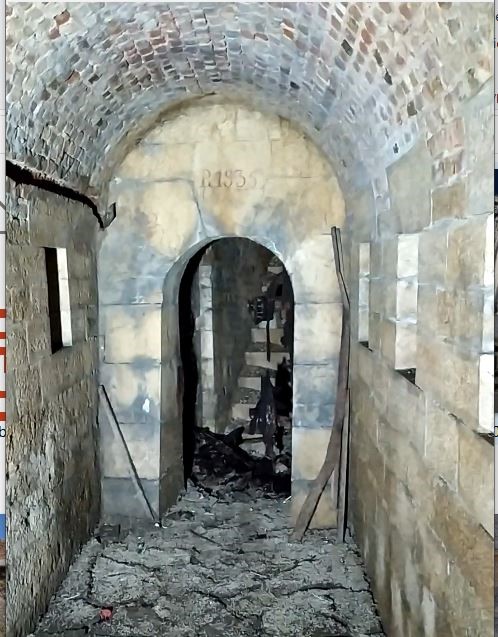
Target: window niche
405 349
364 294
59 307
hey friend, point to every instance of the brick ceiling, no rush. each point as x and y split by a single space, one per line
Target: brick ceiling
85 80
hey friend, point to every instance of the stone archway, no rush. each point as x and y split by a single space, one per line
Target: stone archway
244 266
214 170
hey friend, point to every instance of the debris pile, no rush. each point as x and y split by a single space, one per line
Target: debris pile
225 463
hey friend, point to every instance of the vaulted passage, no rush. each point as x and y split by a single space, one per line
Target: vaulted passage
175 318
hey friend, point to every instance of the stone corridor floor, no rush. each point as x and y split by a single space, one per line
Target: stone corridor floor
218 567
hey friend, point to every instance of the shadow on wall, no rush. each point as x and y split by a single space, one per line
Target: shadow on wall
189 361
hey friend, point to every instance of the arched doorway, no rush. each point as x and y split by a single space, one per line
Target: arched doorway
236 365
166 214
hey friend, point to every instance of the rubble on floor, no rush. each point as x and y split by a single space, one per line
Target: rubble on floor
219 566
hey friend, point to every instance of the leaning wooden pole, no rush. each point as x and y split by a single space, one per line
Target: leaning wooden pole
333 453
343 476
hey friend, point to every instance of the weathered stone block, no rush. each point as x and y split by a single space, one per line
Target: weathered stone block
311 320
313 416
406 298
489 252
388 340
466 252
325 516
390 258
132 332
152 162
308 452
486 392
466 541
441 443
407 255
363 324
363 292
409 188
361 215
134 391
449 201
143 445
312 270
449 137
476 476
450 376
38 333
375 259
364 259
455 315
433 245
405 355
17 345
374 331
406 414
377 295
314 383
250 126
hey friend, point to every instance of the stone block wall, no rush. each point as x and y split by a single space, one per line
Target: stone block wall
204 330
212 169
421 475
238 270
52 474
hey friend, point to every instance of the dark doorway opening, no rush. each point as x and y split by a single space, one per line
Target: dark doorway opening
189 362
54 308
236 442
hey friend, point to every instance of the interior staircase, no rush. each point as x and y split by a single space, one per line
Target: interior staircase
256 363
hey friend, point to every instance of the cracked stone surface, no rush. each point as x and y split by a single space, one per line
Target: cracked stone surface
218 566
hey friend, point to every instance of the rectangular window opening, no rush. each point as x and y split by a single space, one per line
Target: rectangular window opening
59 308
364 294
405 319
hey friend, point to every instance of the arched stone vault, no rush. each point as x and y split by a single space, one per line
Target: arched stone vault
276 189
399 98
364 80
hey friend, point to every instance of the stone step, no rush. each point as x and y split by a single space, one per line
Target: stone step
259 336
240 411
255 371
249 395
258 359
274 348
274 324
250 382
275 269
235 423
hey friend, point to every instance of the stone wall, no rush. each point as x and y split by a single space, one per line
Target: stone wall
421 476
238 269
52 474
206 401
212 170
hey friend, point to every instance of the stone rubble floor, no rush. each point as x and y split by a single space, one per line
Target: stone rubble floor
218 567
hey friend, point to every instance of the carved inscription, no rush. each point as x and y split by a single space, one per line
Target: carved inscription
236 179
